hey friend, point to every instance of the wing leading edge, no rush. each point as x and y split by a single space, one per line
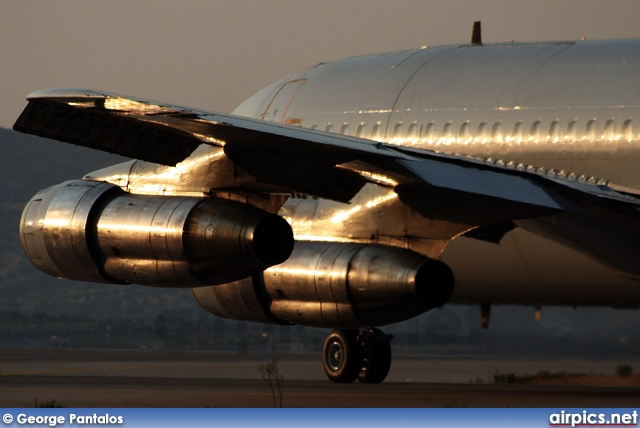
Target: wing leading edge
475 192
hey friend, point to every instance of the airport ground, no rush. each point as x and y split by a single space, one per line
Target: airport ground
104 378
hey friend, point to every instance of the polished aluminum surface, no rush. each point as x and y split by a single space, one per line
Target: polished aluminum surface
54 225
561 111
567 106
327 284
93 231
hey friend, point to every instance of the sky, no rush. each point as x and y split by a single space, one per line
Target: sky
213 54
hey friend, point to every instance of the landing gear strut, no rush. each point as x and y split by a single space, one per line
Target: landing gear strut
363 354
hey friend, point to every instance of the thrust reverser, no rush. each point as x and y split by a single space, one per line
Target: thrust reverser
335 285
94 231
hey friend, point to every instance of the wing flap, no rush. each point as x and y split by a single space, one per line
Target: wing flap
308 161
492 184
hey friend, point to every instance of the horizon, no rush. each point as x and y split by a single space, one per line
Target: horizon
213 55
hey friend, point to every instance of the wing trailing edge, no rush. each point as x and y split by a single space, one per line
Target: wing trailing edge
467 190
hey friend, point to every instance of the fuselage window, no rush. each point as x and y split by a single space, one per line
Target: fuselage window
481 136
412 134
314 127
609 131
496 133
517 132
590 131
534 133
465 133
345 129
375 133
329 128
360 130
627 130
428 134
446 133
397 134
571 131
553 132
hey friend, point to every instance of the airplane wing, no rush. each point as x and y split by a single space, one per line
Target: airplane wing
468 191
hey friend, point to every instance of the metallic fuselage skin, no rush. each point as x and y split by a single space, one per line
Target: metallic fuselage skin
571 107
563 106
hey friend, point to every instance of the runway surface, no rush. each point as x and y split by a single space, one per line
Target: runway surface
192 379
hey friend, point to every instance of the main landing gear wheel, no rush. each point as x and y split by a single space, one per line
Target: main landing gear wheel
342 356
351 354
377 356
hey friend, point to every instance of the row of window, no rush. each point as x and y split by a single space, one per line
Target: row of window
484 132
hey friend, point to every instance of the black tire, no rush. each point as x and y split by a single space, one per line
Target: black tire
376 364
341 356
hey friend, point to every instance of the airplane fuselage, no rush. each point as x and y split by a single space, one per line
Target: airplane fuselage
566 106
571 107
401 182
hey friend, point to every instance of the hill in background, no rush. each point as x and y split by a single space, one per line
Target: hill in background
37 310
30 164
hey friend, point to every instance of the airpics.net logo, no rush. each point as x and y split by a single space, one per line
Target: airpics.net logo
584 418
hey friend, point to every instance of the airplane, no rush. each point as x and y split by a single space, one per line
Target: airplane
363 192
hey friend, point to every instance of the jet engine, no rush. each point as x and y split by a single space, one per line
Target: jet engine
94 231
342 285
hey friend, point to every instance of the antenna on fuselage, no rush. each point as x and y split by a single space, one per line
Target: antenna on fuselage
476 35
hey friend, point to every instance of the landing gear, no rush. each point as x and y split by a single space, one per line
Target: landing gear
377 356
351 354
341 356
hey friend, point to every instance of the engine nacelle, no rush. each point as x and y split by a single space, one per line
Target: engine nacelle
335 285
94 231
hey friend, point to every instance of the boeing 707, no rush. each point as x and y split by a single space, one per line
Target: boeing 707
363 192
